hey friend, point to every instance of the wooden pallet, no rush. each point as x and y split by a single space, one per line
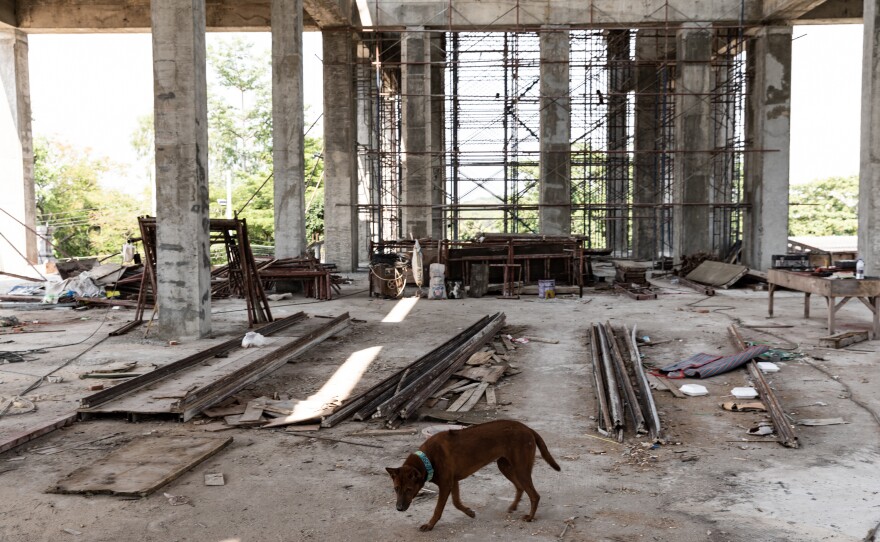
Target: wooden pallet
639 293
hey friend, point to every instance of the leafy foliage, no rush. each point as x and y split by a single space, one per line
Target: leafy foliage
824 207
240 141
86 218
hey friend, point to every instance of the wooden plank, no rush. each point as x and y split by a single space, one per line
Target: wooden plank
483 374
660 384
507 344
253 412
718 274
479 358
221 412
839 340
472 417
142 466
702 288
447 389
491 400
461 400
474 398
30 434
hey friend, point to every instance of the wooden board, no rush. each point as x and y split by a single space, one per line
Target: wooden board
17 439
253 412
491 400
839 340
464 398
474 398
479 358
483 374
718 274
142 466
472 417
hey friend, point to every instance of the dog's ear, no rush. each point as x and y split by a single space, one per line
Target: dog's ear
393 472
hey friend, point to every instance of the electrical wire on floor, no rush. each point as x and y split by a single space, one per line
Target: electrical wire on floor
738 321
298 303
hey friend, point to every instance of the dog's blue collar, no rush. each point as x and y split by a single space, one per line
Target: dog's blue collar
421 455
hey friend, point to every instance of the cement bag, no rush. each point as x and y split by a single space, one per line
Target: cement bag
437 288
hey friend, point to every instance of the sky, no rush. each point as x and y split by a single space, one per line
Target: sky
90 90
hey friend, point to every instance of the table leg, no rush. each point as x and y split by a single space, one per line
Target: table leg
806 304
832 308
770 289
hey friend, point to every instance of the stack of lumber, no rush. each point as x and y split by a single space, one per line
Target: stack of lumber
317 279
398 397
625 401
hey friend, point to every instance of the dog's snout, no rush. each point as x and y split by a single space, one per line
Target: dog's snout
401 508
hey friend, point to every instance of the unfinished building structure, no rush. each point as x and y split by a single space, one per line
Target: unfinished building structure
655 128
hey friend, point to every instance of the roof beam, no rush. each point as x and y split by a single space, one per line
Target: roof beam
502 14
95 16
329 13
788 10
836 12
7 13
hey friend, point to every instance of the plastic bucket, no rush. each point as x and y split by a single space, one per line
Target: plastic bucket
546 288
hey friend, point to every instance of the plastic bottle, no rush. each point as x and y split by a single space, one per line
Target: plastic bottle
860 269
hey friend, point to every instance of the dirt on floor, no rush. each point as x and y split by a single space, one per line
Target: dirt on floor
708 480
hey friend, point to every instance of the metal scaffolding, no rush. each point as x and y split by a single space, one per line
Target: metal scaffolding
621 186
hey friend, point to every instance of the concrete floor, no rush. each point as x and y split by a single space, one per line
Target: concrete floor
706 483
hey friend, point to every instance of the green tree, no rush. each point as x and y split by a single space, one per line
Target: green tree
824 207
240 140
86 218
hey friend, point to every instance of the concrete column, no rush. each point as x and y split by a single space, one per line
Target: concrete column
438 134
651 51
416 134
768 116
555 145
692 224
869 172
16 157
181 117
367 145
340 150
617 165
287 128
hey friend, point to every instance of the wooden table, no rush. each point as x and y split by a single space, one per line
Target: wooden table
866 290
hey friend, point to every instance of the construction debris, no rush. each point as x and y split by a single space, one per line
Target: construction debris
186 387
398 397
622 386
142 466
787 435
840 340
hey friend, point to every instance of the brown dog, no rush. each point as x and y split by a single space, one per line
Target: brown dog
451 456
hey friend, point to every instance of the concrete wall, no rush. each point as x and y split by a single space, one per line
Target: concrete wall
18 248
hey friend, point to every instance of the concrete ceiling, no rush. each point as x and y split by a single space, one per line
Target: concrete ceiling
86 16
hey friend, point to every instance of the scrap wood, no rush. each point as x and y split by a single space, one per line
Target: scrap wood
702 288
508 344
253 412
754 406
815 422
449 387
431 365
474 398
383 432
483 374
479 358
840 340
221 412
491 400
141 466
471 417
27 435
463 398
786 432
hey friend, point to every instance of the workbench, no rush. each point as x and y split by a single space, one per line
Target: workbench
865 290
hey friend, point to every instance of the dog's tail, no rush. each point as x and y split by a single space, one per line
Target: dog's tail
545 453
